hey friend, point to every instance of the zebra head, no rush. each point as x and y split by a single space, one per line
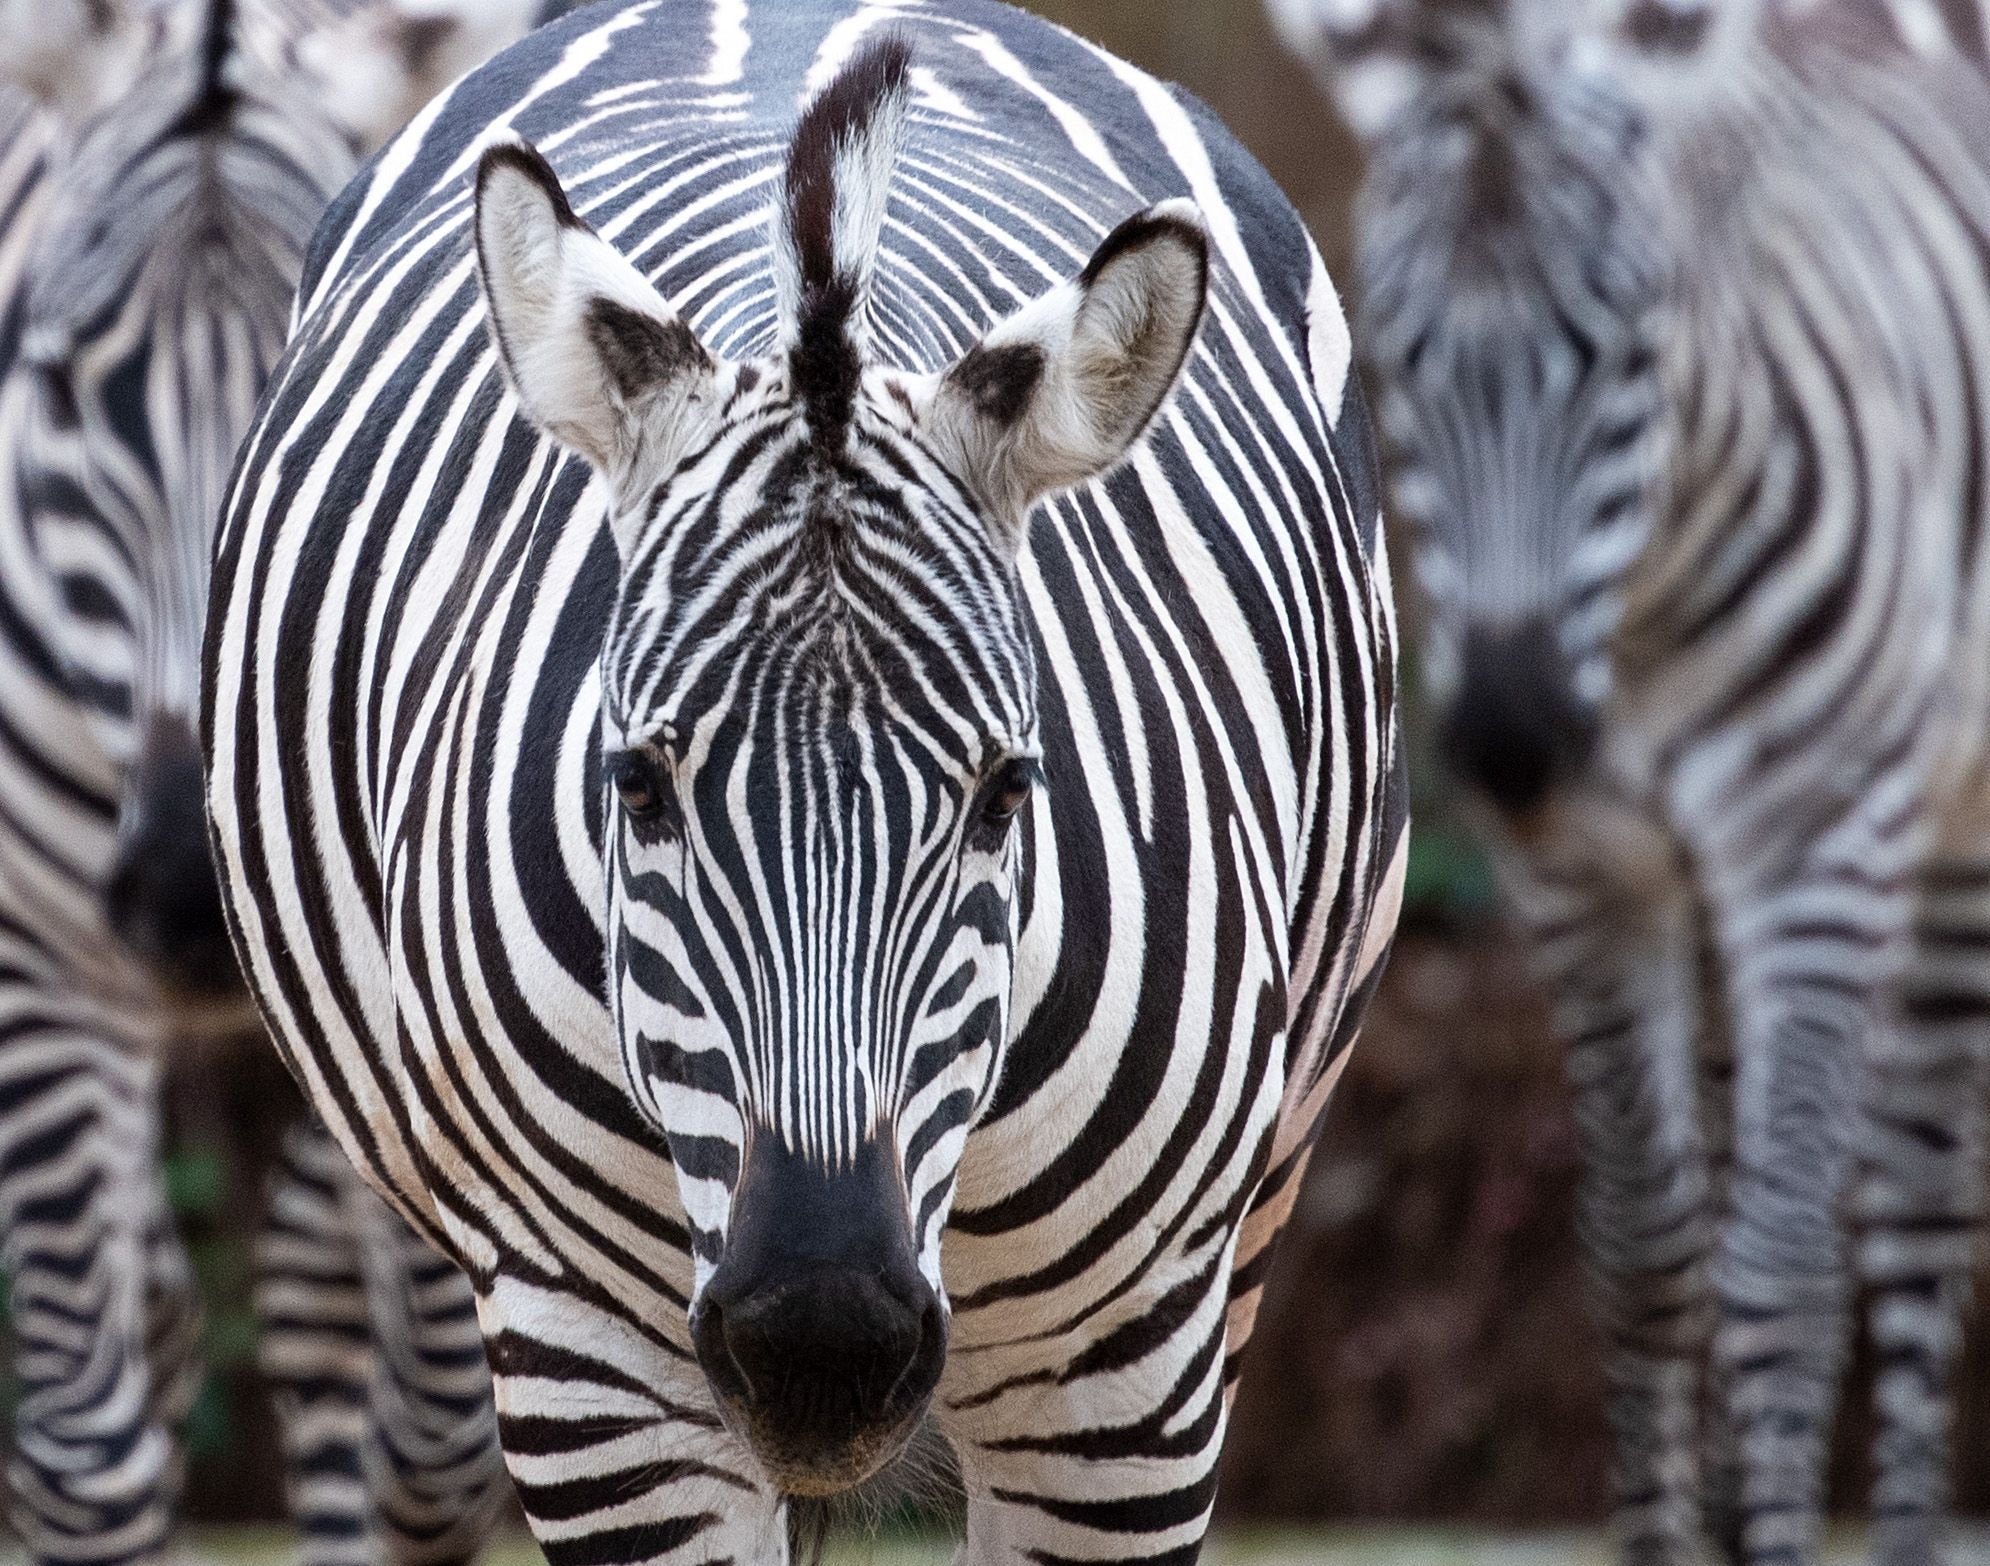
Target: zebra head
177 211
1511 255
821 735
157 301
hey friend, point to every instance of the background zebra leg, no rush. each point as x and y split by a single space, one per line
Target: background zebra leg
1920 1205
1720 1473
1624 979
173 1326
438 1476
94 1468
1804 1006
315 1350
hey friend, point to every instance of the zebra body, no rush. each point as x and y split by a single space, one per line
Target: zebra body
1040 1016
154 214
1683 320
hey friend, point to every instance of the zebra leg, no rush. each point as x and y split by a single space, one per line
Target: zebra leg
1623 977
611 1436
437 1476
94 1466
1721 1476
1920 1204
1808 966
1106 1452
315 1351
173 1325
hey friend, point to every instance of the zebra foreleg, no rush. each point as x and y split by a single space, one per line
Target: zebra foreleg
1626 1003
316 1352
1920 1205
611 1435
1807 969
94 1467
1110 1456
437 1476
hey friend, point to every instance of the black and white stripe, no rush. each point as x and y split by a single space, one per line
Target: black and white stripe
844 873
1682 316
154 216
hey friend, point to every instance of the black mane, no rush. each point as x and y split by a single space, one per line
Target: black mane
825 363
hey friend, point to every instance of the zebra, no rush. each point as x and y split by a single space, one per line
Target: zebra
1681 315
161 170
800 717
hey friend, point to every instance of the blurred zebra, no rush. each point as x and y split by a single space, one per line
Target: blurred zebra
1682 318
832 875
160 177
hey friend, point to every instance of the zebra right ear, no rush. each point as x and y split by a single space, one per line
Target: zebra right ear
600 362
75 56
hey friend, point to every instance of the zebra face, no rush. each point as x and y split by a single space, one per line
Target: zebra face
1512 259
817 805
157 302
820 738
1512 299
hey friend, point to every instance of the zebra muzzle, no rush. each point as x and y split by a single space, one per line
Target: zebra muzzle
819 1336
1516 730
162 896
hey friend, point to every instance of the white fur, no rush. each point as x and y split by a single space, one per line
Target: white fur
1102 378
1371 84
863 166
540 279
360 60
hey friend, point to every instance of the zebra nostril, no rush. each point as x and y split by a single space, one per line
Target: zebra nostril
161 893
715 1353
922 1370
122 897
830 1335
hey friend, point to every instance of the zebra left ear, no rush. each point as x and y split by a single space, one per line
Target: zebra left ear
1058 393
600 362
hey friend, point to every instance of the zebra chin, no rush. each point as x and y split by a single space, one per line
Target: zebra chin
819 1336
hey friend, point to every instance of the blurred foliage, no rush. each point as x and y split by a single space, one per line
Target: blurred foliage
196 1180
197 1186
1447 875
1449 878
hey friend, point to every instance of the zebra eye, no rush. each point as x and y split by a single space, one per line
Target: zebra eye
1005 792
639 782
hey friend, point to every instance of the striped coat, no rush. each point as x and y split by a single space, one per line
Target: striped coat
1681 317
426 647
154 212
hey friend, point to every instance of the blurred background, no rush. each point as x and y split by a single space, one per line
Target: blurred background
1425 1352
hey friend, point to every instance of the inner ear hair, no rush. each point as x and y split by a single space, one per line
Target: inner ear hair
639 352
1058 393
998 380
